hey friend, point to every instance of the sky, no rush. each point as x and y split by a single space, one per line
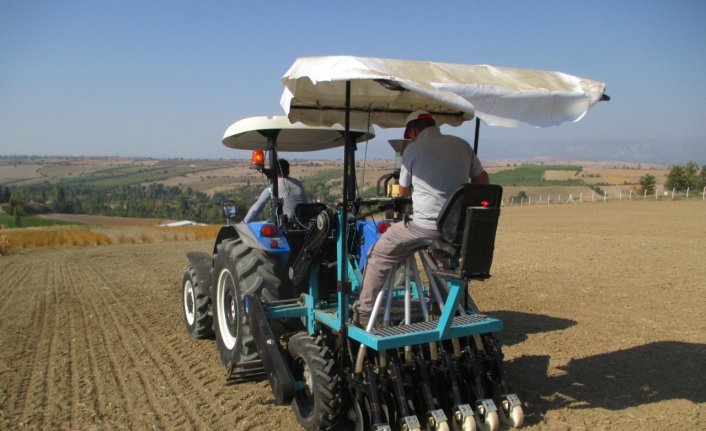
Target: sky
165 79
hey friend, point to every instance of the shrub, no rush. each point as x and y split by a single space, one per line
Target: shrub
5 244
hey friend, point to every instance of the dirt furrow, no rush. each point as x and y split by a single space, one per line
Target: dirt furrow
19 325
137 350
14 284
54 399
35 344
109 366
199 374
194 400
86 389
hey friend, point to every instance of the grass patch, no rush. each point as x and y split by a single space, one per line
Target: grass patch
29 221
324 176
533 176
128 175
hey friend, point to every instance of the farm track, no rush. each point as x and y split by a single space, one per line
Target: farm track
603 309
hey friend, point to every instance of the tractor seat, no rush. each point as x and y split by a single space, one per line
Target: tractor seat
468 222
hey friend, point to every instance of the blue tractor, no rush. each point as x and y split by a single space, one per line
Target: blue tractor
276 295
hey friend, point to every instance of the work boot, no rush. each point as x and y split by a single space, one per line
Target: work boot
361 318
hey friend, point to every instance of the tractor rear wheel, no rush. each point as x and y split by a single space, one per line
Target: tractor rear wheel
318 405
238 271
196 305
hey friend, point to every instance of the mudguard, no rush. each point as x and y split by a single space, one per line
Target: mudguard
247 233
202 263
278 372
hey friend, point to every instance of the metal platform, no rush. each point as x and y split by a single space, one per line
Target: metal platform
424 332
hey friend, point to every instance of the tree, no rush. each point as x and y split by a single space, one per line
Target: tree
17 219
701 181
5 195
59 203
682 178
677 179
648 183
691 174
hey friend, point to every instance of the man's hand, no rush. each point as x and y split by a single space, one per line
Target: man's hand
405 191
482 178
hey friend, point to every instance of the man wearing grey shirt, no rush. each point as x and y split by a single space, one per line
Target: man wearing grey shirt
291 190
434 165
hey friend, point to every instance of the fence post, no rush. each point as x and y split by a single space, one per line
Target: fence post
687 192
529 201
655 193
630 195
673 190
645 194
605 194
581 197
703 197
549 199
620 194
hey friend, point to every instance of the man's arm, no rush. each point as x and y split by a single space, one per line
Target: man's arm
257 206
482 178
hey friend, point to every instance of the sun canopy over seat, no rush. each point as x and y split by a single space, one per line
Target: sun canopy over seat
384 91
252 134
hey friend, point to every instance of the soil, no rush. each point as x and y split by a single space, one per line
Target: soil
604 307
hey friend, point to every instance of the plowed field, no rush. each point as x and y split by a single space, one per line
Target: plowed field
604 308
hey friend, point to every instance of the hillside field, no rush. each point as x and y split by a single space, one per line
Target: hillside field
603 306
210 176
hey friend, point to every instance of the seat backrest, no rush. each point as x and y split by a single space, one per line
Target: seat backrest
305 214
468 221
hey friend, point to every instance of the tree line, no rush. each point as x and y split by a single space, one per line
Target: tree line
145 201
148 201
681 178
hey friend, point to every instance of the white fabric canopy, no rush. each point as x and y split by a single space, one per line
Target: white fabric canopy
385 91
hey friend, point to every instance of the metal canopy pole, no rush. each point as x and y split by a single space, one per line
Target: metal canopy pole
475 140
274 169
343 251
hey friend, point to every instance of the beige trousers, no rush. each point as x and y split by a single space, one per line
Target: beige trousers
398 242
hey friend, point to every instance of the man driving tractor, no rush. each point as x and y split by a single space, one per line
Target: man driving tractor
433 166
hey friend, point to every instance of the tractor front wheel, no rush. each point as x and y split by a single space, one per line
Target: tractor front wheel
317 405
196 305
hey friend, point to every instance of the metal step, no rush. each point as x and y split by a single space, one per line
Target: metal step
458 321
424 332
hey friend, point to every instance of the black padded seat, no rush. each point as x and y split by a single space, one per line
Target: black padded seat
468 222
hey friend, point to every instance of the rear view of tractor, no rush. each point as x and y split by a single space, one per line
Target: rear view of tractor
276 295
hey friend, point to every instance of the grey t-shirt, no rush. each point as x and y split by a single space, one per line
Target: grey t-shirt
435 165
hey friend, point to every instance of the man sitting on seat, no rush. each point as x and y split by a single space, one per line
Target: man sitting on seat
291 190
433 166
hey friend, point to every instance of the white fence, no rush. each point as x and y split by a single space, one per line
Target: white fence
627 195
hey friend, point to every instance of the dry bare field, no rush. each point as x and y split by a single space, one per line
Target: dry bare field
31 170
604 308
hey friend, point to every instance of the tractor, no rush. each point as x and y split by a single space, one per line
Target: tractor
277 295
